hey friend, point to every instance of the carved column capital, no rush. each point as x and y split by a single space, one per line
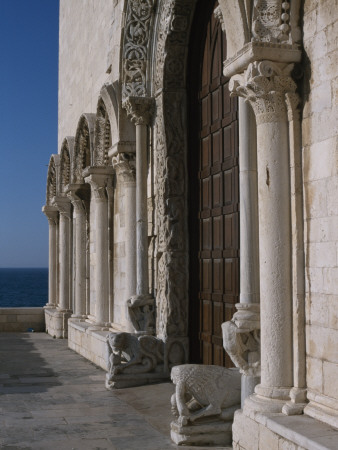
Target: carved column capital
266 85
139 109
63 204
99 179
78 194
51 212
124 165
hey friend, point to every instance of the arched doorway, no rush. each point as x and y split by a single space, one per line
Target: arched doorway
213 190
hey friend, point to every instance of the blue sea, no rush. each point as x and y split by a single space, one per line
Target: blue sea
23 287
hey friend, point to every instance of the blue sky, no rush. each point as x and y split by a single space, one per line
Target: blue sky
28 126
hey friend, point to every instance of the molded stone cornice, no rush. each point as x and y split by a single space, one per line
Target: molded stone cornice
139 109
266 85
99 178
51 212
124 165
63 204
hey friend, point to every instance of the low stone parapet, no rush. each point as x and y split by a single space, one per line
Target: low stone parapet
22 319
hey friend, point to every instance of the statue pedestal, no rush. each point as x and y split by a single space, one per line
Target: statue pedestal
135 379
205 432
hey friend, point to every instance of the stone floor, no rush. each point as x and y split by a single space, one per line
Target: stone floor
52 398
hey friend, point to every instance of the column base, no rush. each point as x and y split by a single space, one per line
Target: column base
267 399
57 322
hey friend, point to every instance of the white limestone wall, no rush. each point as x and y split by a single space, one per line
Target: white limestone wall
88 45
320 159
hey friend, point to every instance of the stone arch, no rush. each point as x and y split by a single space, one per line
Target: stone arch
83 147
52 179
65 162
103 135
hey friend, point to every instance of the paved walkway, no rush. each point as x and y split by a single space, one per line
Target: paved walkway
53 399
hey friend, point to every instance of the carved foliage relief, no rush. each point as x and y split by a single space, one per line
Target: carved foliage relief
135 47
81 151
102 136
51 182
64 168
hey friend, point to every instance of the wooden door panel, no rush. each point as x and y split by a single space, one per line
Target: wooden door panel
215 181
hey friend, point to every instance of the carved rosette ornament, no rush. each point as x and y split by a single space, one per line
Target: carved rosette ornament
140 110
267 86
139 18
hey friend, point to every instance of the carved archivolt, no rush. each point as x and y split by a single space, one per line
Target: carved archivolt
52 179
139 16
103 139
83 147
64 166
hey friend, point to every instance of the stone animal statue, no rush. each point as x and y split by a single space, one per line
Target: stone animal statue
203 391
127 353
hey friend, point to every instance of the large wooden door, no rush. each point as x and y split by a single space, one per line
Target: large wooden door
214 200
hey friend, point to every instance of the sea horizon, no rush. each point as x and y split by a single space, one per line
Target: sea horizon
22 287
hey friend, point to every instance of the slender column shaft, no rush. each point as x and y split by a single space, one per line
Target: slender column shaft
102 278
80 262
141 210
275 254
64 261
249 260
52 264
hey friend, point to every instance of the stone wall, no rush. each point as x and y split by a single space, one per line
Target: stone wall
87 47
22 319
320 160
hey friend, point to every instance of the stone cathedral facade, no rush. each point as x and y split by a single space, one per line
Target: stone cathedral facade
194 196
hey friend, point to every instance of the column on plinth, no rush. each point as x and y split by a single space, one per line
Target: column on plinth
64 206
141 305
52 215
247 316
124 165
265 85
78 194
98 178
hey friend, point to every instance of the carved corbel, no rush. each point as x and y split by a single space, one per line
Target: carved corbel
78 194
63 205
52 214
241 338
99 180
140 109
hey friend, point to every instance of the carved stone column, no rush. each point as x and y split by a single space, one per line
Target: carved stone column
52 215
98 178
247 316
64 206
141 306
124 165
78 195
265 85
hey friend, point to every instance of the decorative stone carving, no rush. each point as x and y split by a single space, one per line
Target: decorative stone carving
136 360
103 139
82 147
51 180
124 165
139 17
204 403
241 338
64 168
142 313
266 85
139 109
63 205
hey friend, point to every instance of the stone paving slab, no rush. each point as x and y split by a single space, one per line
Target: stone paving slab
51 398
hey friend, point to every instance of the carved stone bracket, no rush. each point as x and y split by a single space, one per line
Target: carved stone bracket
99 179
266 85
139 109
141 310
124 165
241 339
79 196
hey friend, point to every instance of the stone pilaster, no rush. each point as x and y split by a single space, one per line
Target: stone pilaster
124 165
64 207
141 305
265 85
52 215
99 178
78 195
